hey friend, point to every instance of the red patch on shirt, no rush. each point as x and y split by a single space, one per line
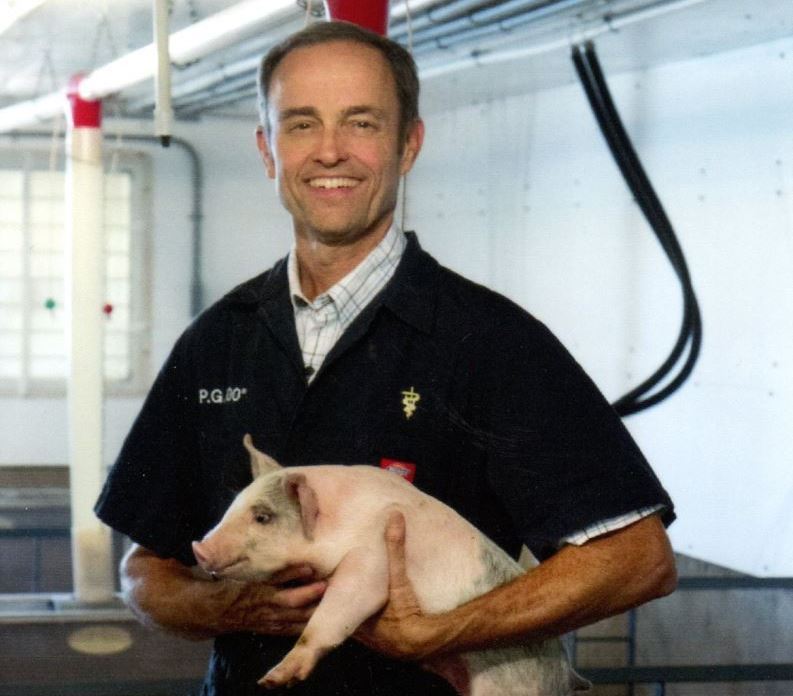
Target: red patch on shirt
406 470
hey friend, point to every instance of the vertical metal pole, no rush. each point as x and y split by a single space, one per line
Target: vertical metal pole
632 646
27 282
91 540
163 111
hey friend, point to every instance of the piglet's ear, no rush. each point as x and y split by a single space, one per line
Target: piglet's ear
260 463
298 489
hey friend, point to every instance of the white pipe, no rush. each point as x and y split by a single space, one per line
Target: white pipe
211 34
203 82
163 111
31 112
93 577
202 38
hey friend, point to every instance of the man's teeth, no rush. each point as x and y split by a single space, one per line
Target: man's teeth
333 183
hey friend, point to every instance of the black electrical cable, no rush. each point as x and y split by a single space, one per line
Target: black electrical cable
634 175
637 180
629 164
596 89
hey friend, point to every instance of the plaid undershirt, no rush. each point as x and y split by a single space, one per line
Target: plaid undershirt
322 321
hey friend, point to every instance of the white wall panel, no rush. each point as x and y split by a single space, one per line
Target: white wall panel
568 243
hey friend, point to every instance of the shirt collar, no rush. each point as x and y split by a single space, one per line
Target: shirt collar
353 292
412 296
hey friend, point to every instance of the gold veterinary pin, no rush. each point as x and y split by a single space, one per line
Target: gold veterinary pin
409 400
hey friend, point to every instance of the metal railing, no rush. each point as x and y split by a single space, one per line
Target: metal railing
160 687
660 675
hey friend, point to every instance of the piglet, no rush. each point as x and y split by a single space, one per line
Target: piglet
333 518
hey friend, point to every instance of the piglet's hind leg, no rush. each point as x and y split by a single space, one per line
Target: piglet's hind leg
357 589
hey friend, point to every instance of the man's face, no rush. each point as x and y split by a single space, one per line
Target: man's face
333 145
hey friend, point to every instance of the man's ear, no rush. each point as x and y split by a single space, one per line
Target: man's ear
410 150
263 145
297 489
260 463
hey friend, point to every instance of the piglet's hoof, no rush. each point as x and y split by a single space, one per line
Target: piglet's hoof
288 672
273 680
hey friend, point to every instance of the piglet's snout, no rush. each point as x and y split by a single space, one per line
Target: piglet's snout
211 559
216 558
202 555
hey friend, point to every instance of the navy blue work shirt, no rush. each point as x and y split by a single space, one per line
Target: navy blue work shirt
507 429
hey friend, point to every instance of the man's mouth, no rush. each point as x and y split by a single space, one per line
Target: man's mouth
333 182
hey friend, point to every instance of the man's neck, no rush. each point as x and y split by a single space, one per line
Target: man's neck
321 266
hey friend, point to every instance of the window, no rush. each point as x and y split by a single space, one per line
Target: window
32 287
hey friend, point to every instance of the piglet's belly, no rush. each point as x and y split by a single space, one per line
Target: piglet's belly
448 570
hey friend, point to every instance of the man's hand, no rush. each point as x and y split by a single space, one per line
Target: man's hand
170 596
277 607
400 630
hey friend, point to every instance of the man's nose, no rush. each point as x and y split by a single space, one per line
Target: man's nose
331 148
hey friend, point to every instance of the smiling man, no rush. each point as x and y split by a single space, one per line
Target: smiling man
334 141
359 348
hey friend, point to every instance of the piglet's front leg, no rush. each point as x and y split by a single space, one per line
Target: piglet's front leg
357 589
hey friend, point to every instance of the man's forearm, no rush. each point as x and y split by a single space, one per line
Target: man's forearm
576 587
168 595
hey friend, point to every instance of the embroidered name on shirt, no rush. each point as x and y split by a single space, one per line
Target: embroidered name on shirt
230 395
410 399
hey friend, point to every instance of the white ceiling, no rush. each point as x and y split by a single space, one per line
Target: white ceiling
63 37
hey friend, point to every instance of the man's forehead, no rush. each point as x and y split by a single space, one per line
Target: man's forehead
336 61
325 50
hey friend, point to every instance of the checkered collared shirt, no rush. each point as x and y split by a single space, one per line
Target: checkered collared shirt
321 322
610 525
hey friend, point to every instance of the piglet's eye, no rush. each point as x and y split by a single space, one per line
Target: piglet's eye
263 517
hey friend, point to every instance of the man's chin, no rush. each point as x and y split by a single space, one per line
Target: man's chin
340 236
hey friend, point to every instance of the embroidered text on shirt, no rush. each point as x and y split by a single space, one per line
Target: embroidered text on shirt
220 396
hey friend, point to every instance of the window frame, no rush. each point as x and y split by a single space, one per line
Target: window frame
137 164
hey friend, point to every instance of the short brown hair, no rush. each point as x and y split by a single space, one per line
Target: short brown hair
399 61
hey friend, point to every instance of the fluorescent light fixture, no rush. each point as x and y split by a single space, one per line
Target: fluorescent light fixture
12 11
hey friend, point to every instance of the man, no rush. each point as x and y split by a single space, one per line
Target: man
360 348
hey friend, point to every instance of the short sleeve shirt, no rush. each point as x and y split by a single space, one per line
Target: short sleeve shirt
507 429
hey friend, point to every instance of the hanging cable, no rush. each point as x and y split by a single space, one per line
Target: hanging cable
690 335
409 20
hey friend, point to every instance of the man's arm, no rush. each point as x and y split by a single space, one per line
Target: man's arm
577 586
168 595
